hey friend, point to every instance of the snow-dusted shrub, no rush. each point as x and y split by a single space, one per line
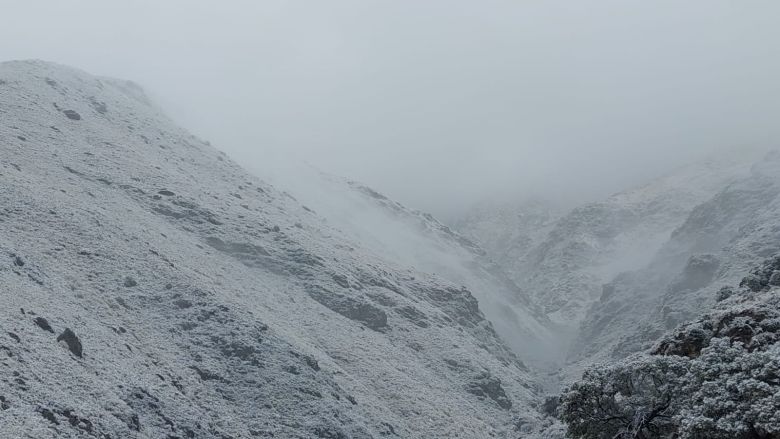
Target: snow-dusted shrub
715 378
733 394
633 399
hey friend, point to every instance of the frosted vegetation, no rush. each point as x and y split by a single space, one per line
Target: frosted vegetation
717 377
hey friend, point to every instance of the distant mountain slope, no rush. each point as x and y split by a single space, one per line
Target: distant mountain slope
410 237
150 287
721 238
508 232
573 255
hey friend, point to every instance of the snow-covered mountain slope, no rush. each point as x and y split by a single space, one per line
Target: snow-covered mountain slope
721 238
585 248
508 232
150 287
410 237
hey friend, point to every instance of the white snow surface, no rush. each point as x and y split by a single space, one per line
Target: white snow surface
206 302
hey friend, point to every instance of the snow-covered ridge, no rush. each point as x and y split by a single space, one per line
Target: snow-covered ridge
153 288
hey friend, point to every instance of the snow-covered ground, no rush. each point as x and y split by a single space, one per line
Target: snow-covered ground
153 288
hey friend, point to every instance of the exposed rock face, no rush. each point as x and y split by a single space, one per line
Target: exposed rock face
358 310
490 387
216 307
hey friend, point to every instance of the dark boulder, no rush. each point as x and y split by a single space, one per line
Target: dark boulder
352 307
487 386
72 115
73 342
43 324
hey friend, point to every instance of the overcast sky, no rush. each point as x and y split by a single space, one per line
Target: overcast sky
438 103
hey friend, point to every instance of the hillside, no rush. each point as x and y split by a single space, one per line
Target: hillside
153 288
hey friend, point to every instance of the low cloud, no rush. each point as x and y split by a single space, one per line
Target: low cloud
439 104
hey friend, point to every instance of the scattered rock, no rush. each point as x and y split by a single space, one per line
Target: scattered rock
329 432
49 416
129 282
353 308
388 430
311 362
413 315
486 385
341 280
77 421
43 324
72 115
73 342
248 254
292 369
182 303
723 294
99 106
206 375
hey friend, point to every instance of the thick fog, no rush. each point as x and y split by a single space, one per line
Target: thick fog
440 103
